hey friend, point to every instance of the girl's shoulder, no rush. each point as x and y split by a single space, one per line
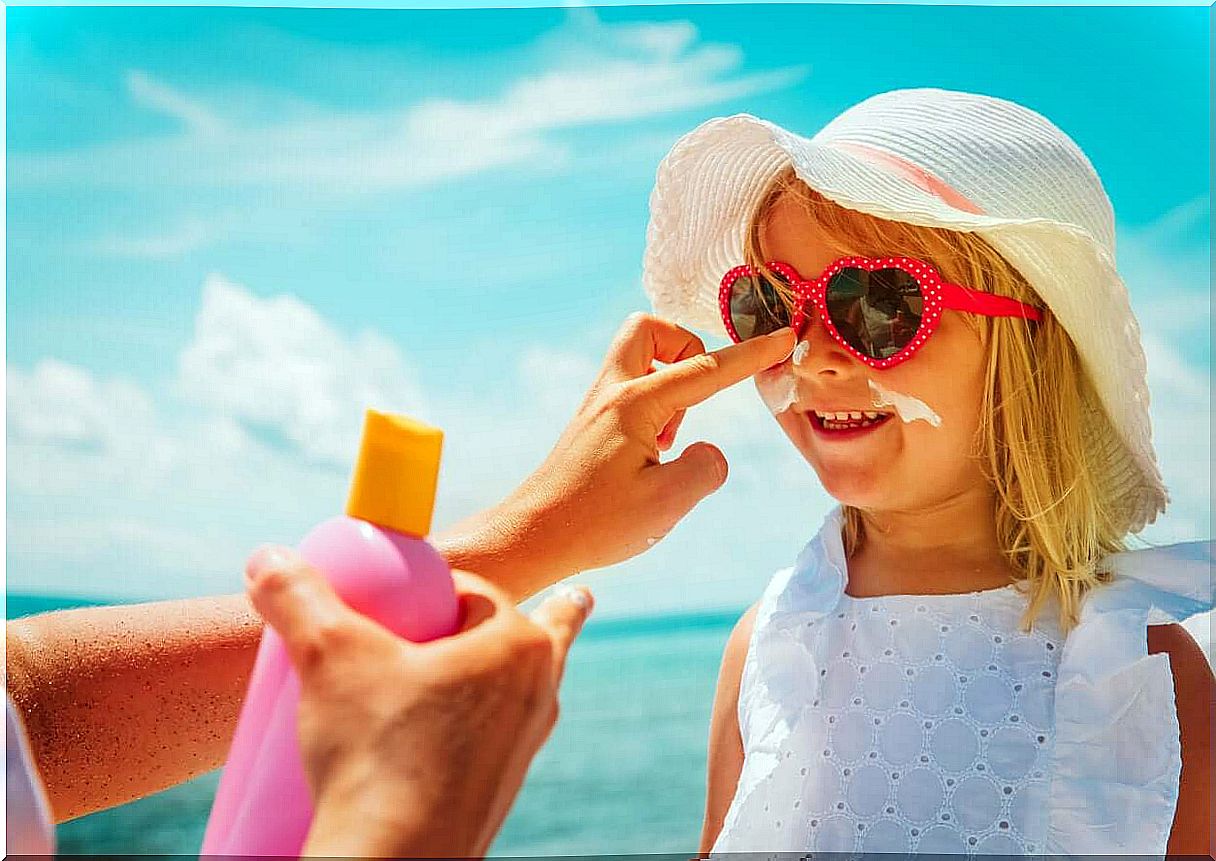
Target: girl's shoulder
1174 581
1111 687
1194 693
735 651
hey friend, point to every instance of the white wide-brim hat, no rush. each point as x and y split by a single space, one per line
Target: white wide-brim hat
935 158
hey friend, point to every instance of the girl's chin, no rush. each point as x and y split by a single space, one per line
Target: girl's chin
851 486
853 477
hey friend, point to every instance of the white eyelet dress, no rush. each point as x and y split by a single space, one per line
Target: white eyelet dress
933 724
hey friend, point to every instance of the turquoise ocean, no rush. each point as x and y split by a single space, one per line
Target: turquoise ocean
623 772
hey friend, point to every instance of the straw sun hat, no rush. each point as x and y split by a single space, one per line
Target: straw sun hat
935 158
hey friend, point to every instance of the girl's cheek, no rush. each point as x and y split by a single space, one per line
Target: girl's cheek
778 388
907 407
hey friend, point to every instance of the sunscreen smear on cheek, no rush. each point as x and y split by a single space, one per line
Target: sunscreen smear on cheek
778 388
910 409
800 351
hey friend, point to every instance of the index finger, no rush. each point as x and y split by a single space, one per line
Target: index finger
688 382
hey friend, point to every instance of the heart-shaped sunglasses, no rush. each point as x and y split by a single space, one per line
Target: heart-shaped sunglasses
881 310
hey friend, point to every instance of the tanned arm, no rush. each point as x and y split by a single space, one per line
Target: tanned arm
725 740
120 702
1194 695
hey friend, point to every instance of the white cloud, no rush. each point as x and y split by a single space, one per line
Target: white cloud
117 490
664 40
61 403
555 379
592 73
79 543
663 74
1181 407
161 97
1166 266
275 363
191 234
153 503
1179 223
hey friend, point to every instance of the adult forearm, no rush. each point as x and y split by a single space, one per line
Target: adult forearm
120 702
510 545
123 701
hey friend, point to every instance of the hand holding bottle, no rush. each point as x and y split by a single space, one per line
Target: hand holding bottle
415 749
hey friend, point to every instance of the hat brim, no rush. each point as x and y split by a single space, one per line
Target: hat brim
709 186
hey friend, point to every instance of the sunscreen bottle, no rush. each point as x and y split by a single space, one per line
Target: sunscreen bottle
379 564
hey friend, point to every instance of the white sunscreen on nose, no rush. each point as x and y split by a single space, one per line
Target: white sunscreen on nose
800 351
778 389
910 409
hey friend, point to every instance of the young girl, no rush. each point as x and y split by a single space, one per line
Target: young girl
961 660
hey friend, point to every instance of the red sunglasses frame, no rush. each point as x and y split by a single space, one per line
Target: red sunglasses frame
938 295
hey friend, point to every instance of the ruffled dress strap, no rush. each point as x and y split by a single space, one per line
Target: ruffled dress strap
1117 756
780 672
794 597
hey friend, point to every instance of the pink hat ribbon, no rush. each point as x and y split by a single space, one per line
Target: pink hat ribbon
918 176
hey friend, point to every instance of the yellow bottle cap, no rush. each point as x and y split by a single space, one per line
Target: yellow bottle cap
396 474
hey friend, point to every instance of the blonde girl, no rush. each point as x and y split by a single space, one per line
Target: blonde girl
967 658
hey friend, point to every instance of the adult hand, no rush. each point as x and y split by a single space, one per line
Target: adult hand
603 495
415 749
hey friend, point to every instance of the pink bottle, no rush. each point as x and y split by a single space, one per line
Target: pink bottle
378 562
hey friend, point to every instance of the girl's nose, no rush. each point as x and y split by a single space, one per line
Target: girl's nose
822 355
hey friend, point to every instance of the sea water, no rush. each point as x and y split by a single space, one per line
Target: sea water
623 772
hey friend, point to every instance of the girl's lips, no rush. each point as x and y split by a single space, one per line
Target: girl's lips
844 435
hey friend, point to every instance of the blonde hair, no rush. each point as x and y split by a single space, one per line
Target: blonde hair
1054 523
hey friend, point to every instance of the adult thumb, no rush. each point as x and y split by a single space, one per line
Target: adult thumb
695 474
297 601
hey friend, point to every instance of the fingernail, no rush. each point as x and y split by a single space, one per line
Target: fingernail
784 333
265 558
577 595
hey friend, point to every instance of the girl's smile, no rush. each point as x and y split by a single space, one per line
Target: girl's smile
839 426
899 438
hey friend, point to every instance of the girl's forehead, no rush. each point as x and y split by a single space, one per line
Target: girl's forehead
792 234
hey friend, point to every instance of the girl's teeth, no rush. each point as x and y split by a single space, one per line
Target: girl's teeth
850 416
850 420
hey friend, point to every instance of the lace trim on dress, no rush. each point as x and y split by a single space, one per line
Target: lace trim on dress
1115 759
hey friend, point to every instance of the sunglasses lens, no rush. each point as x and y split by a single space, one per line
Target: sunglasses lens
876 312
757 307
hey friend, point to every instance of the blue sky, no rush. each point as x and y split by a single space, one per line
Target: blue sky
228 229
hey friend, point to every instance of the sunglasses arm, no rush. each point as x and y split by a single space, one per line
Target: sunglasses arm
959 298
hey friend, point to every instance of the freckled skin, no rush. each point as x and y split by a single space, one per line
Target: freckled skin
121 702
